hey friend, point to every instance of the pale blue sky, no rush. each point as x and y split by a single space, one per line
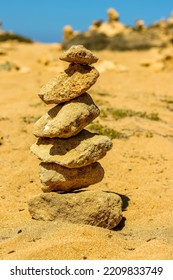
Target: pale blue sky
43 20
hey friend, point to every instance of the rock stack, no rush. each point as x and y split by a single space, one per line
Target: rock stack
68 152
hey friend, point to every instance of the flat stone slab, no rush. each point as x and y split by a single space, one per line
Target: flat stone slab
59 178
71 83
67 119
78 54
77 151
96 208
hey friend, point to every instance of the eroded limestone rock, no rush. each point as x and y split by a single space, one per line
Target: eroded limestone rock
71 83
77 151
96 208
79 54
59 178
67 120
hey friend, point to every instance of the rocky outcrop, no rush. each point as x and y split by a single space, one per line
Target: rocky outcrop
114 35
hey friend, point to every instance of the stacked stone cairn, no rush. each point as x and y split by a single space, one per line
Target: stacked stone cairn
69 153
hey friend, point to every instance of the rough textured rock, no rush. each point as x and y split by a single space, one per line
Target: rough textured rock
66 120
79 54
71 83
95 208
77 151
59 178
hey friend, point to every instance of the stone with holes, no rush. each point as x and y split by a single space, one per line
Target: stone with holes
79 54
67 120
71 83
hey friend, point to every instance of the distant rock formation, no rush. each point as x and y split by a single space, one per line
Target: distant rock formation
68 32
139 24
6 36
114 35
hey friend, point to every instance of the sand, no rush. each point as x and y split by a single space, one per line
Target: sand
139 167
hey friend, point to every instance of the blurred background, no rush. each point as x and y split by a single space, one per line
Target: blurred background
44 20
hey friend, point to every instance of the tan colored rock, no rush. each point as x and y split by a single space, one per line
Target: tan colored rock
77 151
95 25
139 24
96 208
68 32
68 119
71 83
59 178
113 15
112 29
78 54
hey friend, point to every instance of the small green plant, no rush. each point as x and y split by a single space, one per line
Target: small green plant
103 93
168 101
103 113
117 114
153 117
34 105
104 130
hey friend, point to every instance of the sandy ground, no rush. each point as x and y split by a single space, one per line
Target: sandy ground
139 167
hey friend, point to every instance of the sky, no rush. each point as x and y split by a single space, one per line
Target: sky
43 20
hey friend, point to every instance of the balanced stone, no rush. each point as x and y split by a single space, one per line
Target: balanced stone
71 83
96 208
66 120
77 151
79 54
55 177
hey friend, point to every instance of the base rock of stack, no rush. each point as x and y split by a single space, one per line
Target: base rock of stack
58 178
97 208
75 152
67 119
71 83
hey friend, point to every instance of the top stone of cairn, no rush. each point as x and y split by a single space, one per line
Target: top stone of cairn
79 54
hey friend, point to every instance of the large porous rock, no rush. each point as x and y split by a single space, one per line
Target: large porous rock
71 83
67 120
59 178
79 54
97 208
77 151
